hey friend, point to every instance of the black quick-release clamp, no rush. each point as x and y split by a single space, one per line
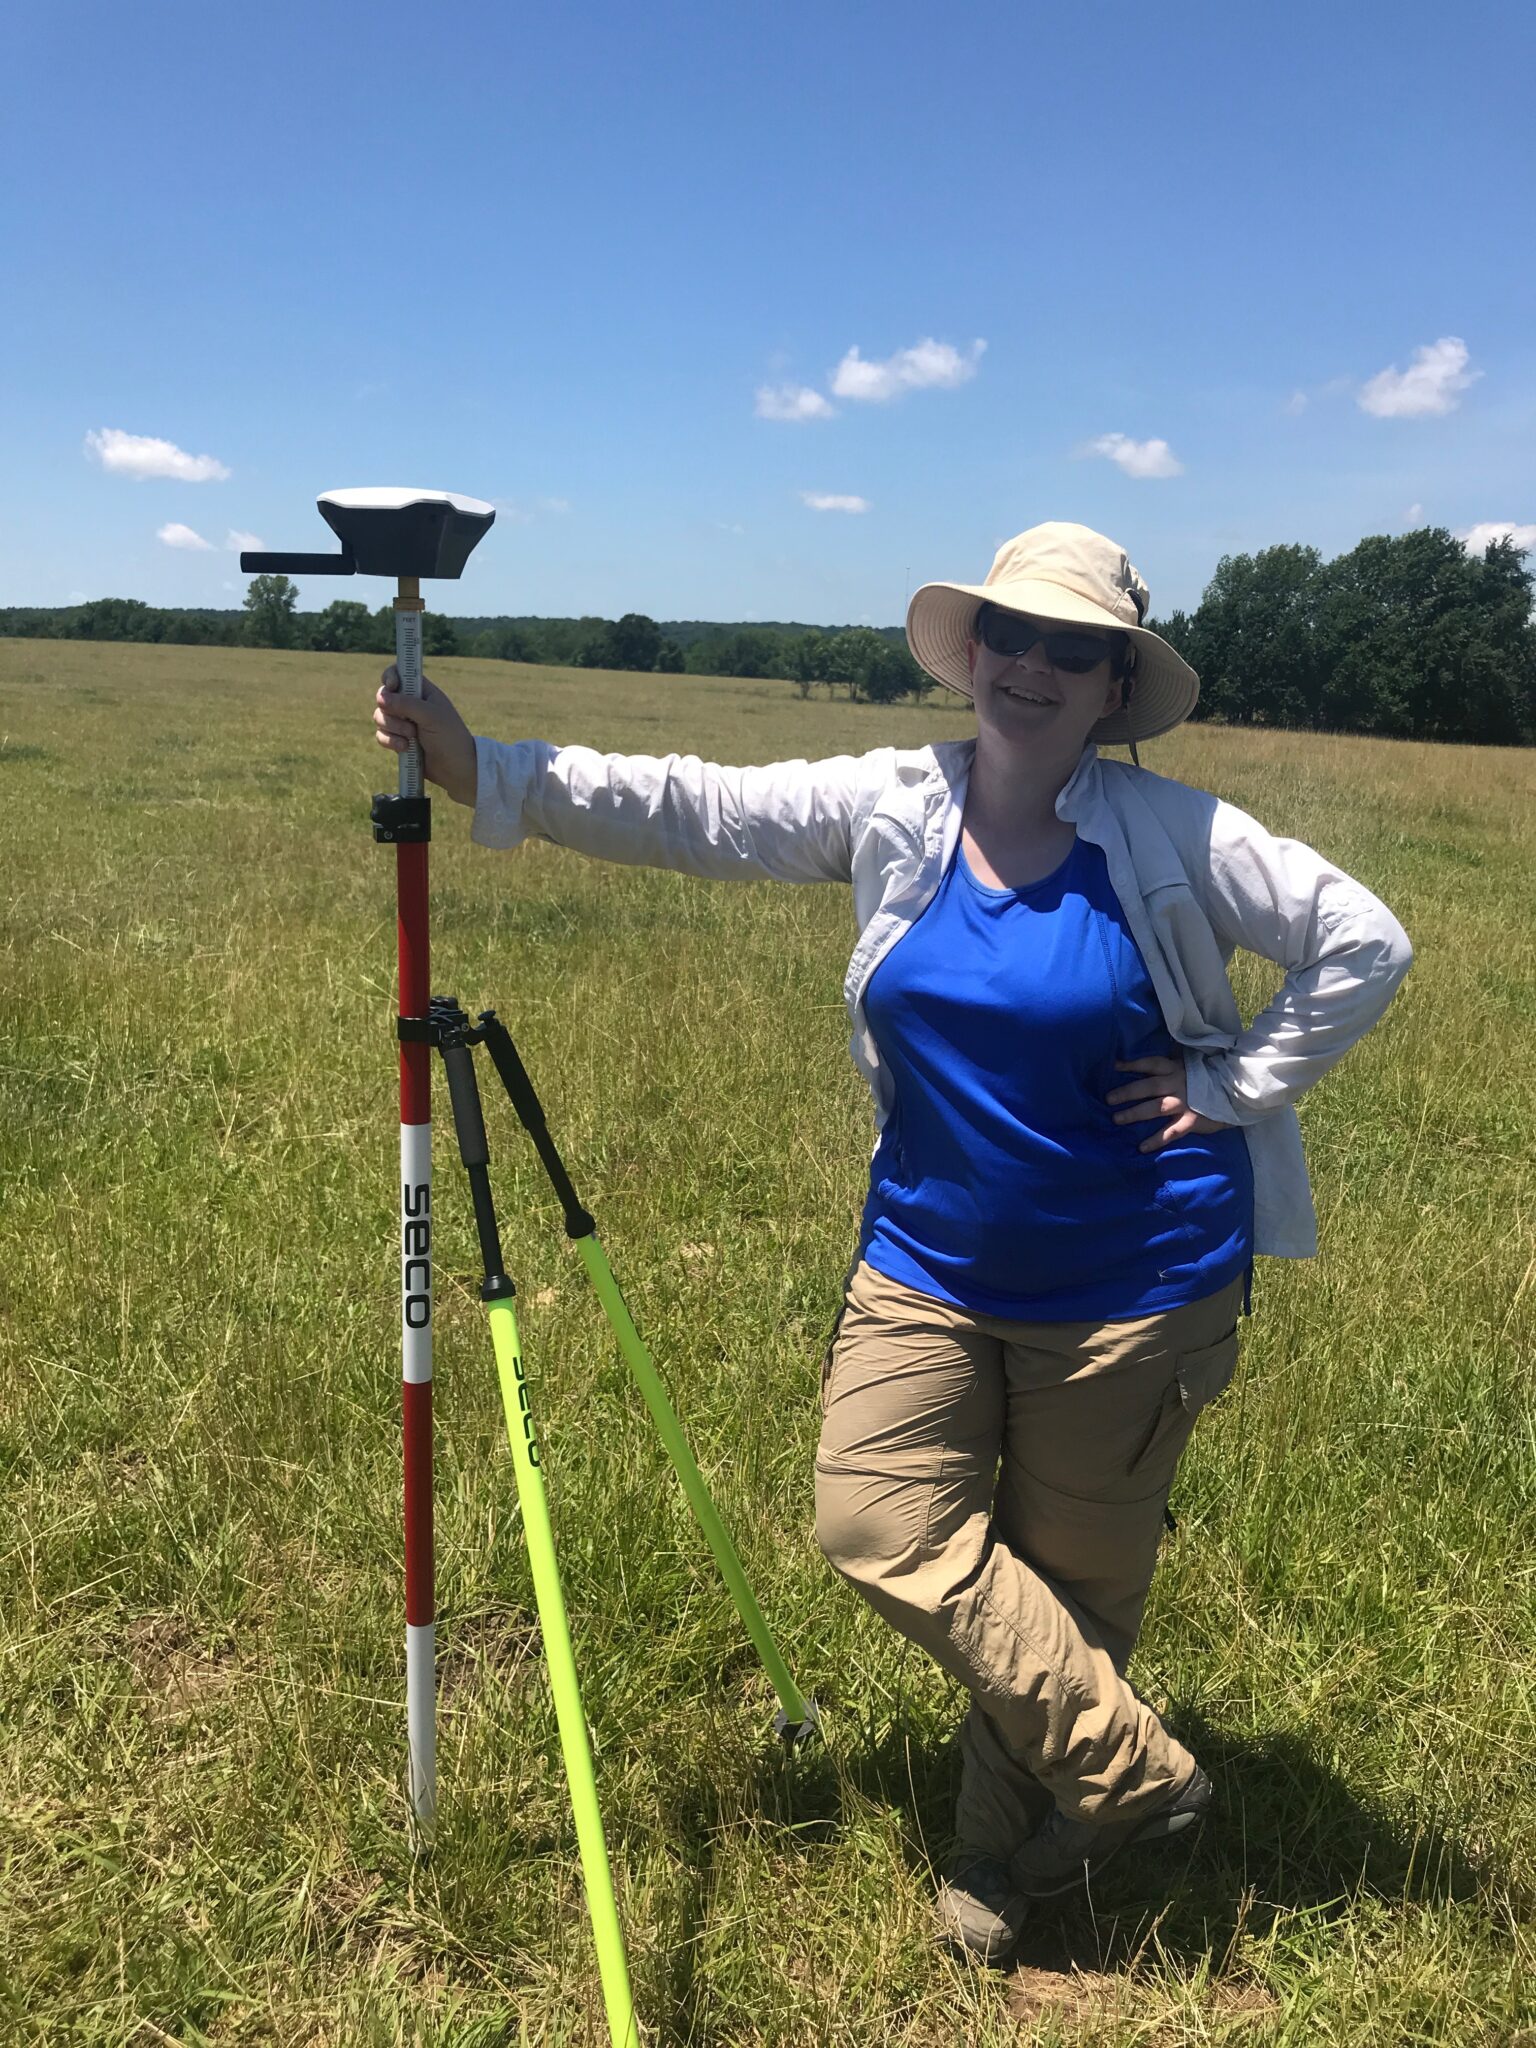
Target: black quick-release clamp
401 820
445 1024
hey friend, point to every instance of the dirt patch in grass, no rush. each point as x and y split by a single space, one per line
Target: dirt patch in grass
496 1645
178 1678
1093 1998
1064 1980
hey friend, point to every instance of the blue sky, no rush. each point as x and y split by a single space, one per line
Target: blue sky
552 256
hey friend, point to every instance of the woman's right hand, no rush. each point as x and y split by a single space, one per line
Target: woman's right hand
446 742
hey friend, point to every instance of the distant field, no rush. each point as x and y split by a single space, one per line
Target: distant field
202 1818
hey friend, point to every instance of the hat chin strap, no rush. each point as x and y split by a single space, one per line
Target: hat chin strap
1125 705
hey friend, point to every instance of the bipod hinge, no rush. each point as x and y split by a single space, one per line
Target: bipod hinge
446 1025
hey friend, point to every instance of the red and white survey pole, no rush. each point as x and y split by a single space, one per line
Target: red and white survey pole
407 534
415 1235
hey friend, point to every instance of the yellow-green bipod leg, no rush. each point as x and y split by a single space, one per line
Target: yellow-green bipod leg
797 1710
612 1964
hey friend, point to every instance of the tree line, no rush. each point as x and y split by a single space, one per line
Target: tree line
868 664
1407 637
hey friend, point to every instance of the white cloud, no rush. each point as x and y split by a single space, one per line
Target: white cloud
77 597
237 540
792 402
1481 537
1296 404
176 536
554 504
832 501
930 365
1414 516
1137 458
1432 383
140 455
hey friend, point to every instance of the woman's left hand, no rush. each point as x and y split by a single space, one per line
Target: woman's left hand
1159 1092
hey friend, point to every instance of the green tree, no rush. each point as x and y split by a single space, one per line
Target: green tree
1254 640
883 676
801 657
270 604
28 622
345 627
749 651
114 618
889 672
438 635
582 643
1403 623
1497 699
633 642
504 643
703 653
842 660
869 665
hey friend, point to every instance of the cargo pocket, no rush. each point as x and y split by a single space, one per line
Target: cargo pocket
1198 1378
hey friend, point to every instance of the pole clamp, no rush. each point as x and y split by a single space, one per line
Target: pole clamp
401 820
445 1025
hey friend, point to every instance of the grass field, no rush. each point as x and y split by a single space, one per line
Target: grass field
201 1659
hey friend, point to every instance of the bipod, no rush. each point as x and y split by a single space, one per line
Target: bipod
798 1716
449 1029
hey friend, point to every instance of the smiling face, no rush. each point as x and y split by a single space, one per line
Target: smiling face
1022 700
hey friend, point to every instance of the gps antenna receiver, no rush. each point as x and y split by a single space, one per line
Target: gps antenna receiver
388 530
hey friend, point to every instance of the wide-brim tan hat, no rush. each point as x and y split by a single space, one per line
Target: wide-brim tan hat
1068 575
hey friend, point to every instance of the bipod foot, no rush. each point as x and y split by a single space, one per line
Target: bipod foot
793 1733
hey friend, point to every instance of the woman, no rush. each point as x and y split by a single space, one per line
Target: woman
1081 1151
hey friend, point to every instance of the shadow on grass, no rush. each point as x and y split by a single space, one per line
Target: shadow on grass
1287 1837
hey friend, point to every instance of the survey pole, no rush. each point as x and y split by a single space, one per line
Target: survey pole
414 985
408 534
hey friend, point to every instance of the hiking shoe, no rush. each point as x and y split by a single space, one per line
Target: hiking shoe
979 1907
1062 1852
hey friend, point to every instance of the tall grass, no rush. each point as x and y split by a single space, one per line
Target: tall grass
200 1633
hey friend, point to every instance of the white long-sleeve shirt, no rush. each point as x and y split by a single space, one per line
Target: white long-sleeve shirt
1196 877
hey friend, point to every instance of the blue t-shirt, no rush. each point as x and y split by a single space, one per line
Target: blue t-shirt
1002 1182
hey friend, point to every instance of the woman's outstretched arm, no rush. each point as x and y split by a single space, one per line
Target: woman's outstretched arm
790 821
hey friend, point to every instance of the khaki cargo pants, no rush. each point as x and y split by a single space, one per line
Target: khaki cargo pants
996 1490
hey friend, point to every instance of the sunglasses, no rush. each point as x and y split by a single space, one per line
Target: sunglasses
1011 634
